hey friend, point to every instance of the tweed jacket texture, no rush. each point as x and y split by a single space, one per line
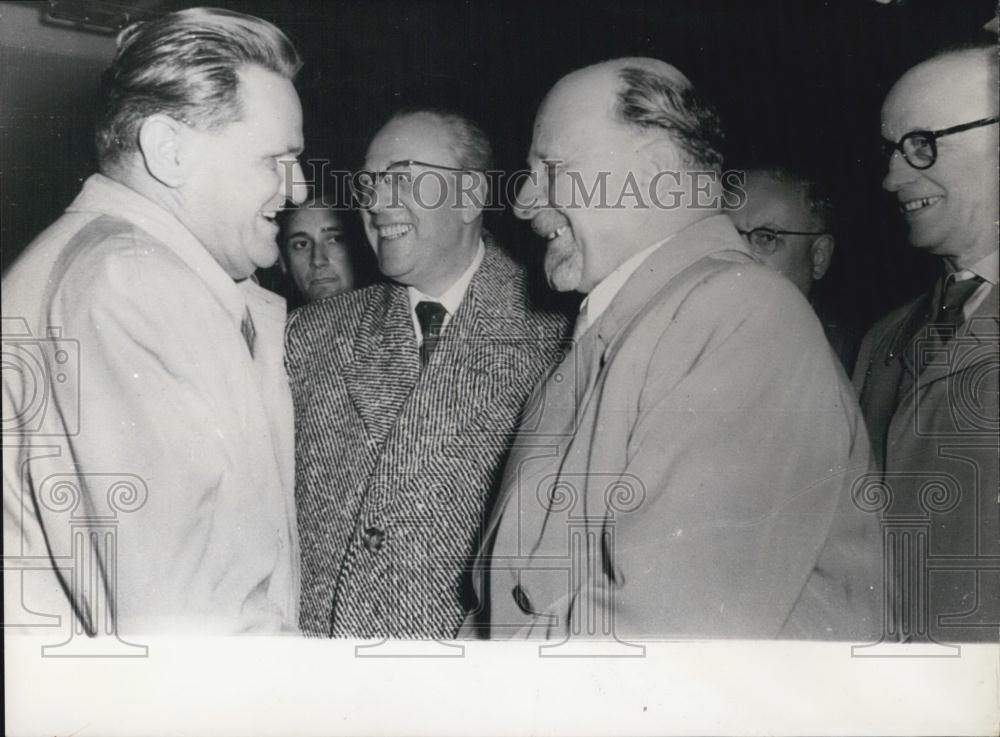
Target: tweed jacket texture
397 466
936 434
152 478
691 472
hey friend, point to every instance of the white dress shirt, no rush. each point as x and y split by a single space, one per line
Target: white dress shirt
595 303
987 268
452 297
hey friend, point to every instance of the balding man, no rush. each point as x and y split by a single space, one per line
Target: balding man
927 372
690 473
407 393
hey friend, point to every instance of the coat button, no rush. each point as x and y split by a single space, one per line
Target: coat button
373 539
521 599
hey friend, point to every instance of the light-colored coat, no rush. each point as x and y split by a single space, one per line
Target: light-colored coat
397 466
689 474
937 436
144 414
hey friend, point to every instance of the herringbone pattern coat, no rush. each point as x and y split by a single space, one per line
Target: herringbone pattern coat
396 466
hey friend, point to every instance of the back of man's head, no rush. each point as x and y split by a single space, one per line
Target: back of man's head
185 65
655 98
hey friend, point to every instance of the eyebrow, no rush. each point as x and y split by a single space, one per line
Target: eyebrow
324 229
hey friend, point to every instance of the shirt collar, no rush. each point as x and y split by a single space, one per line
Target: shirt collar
987 268
453 295
597 301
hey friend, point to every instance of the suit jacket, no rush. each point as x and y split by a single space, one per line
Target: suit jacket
397 465
147 454
691 471
935 434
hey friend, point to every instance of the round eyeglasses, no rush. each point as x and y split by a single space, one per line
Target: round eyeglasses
765 241
919 148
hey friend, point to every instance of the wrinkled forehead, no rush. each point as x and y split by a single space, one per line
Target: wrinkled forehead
938 94
422 137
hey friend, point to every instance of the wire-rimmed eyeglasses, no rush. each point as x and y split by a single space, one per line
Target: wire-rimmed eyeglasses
401 171
766 240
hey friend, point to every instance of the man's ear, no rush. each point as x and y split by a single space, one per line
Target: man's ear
472 193
821 252
661 168
160 143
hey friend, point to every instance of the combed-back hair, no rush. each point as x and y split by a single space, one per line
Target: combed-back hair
469 142
186 65
649 101
815 192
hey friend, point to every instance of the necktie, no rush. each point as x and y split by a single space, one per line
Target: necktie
953 298
948 317
431 316
248 330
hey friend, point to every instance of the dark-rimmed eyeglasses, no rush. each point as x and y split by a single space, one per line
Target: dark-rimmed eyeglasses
766 240
401 172
919 148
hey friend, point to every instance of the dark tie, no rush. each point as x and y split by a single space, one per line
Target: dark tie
431 316
248 330
948 317
955 294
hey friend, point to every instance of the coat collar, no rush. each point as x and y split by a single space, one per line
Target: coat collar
103 195
714 235
482 346
911 335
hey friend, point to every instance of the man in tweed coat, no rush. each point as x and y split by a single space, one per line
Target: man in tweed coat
407 393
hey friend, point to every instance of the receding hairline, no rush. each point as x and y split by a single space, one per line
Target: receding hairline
811 193
953 63
584 83
441 125
614 67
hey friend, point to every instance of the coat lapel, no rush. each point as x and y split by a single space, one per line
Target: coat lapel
385 364
480 350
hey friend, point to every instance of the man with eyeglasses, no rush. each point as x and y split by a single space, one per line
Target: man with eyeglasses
927 372
788 222
407 393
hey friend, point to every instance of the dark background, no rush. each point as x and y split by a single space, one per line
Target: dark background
800 80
